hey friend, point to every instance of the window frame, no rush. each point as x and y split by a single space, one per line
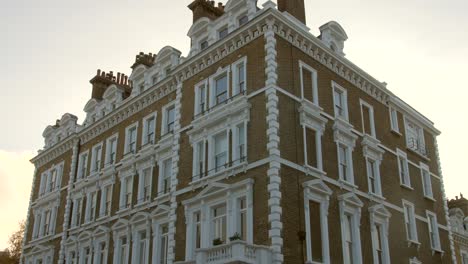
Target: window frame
314 78
162 175
128 138
349 164
371 118
141 185
113 138
394 126
96 160
199 157
213 88
426 178
350 205
103 210
145 137
412 233
235 76
402 157
82 172
421 144
433 229
380 216
165 124
203 84
344 93
377 179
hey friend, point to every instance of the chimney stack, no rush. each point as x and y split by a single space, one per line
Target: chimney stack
295 8
206 8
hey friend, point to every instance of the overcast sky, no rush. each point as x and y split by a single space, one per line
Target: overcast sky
52 48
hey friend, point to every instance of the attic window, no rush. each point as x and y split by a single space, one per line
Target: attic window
243 20
223 33
204 45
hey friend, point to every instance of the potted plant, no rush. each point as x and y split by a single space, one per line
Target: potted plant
217 242
236 236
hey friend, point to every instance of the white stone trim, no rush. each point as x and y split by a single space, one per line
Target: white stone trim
371 117
273 173
350 205
379 215
314 77
144 135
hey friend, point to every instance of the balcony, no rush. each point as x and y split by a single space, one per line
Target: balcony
234 252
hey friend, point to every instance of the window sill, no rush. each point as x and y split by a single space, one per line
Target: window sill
123 210
225 171
407 187
395 132
376 196
347 184
413 242
437 250
418 153
430 198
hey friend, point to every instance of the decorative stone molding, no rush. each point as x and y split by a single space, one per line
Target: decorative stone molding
274 202
444 197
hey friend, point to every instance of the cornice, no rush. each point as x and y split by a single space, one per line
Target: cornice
55 151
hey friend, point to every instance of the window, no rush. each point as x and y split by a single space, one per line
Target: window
141 88
77 212
122 251
43 183
309 84
379 221
200 98
403 169
218 224
221 89
464 256
433 231
241 151
168 119
373 176
223 33
394 120
165 175
145 185
350 207
82 165
197 229
220 151
410 222
163 244
149 129
344 163
86 255
111 150
96 158
243 20
340 101
154 79
199 160
203 45
72 258
367 115
415 137
106 199
46 223
239 74
131 139
53 180
316 202
101 255
141 248
167 71
426 181
242 218
128 192
91 207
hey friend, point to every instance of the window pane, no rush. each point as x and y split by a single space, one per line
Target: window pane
221 89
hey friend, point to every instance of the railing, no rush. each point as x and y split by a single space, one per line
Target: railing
236 251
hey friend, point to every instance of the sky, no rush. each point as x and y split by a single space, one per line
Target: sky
50 49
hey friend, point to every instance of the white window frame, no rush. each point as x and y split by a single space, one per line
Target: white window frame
97 251
141 184
433 228
162 175
96 160
317 191
145 139
114 138
197 159
165 125
212 152
350 205
371 118
128 139
401 156
158 226
344 92
464 256
318 146
426 181
409 218
118 248
77 207
91 202
220 72
83 171
104 192
314 78
421 145
380 216
238 157
414 260
201 85
235 76
394 119
124 192
136 241
376 173
210 198
349 163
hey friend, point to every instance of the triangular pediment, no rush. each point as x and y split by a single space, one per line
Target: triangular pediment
380 210
318 186
122 223
139 217
101 230
162 209
351 199
84 235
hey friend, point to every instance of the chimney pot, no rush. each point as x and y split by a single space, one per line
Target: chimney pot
294 7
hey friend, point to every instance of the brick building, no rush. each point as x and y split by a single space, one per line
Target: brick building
458 212
263 145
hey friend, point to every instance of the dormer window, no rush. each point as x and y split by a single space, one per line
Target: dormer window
243 20
203 45
167 71
223 33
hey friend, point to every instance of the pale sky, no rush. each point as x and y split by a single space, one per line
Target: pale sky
52 48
